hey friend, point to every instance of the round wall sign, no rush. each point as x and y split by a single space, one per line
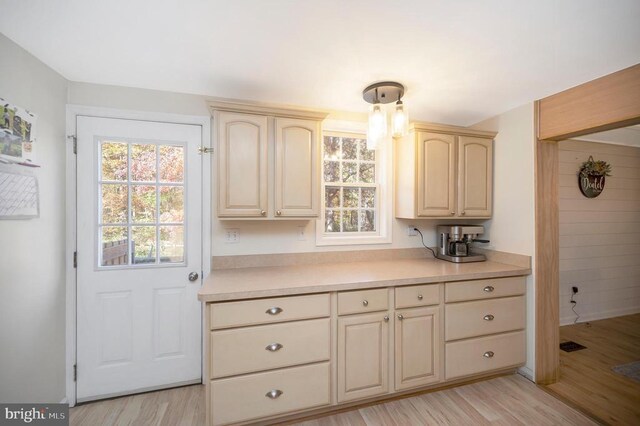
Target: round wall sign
591 185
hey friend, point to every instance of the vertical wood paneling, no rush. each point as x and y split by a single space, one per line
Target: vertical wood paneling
599 237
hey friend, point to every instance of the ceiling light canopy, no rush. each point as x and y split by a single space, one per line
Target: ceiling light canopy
379 94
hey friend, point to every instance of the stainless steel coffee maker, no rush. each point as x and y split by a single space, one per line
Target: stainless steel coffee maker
454 243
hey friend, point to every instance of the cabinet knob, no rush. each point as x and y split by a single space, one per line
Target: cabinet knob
453 212
365 303
273 394
278 212
420 297
386 318
273 311
400 317
462 213
488 354
263 213
488 289
488 317
274 347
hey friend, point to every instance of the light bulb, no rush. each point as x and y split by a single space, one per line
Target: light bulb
377 126
400 121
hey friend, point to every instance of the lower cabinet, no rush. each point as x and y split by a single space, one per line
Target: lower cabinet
418 358
281 356
363 356
253 396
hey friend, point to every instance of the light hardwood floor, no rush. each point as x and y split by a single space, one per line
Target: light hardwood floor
507 400
586 379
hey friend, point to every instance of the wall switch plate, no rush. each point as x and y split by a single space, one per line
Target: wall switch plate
301 234
411 231
231 235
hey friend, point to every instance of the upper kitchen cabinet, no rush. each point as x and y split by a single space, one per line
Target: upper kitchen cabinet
268 161
242 164
444 172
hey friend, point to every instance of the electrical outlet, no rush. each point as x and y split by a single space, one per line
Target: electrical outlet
411 231
232 235
301 234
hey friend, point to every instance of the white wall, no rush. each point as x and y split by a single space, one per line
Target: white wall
512 228
32 282
600 237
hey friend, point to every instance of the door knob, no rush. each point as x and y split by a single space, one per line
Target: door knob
193 276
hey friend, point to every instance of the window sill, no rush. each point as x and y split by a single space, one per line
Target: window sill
341 240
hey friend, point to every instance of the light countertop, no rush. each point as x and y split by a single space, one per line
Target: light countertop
250 283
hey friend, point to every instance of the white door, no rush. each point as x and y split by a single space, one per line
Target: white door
139 236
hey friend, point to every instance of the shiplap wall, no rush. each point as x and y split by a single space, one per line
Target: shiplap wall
600 237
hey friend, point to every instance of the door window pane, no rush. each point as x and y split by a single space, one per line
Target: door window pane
171 163
171 204
114 203
171 244
143 163
143 203
143 244
142 190
114 161
115 246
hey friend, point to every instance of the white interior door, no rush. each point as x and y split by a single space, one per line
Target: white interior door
139 238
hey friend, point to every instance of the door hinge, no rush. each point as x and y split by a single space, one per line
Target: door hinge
75 143
75 372
75 259
204 150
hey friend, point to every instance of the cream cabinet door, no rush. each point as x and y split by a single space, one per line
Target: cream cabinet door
363 356
418 347
242 164
296 167
475 176
436 175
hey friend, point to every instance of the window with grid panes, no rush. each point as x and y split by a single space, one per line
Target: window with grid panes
350 185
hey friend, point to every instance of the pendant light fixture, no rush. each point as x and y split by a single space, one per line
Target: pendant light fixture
379 94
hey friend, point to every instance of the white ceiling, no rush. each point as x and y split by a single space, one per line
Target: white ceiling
462 61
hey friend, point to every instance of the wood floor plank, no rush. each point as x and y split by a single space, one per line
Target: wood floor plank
586 378
508 400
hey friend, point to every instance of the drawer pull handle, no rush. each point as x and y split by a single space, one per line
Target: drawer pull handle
420 297
273 394
488 289
365 303
274 347
488 317
400 317
386 318
488 354
273 311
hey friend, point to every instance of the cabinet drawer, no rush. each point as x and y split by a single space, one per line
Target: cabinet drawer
470 319
484 354
361 301
417 295
245 398
250 349
484 289
264 311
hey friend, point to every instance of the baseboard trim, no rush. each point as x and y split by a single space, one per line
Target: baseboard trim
64 400
600 315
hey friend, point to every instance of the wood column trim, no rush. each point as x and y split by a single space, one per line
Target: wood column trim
602 104
547 264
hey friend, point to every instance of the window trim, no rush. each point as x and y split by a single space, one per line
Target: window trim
383 186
